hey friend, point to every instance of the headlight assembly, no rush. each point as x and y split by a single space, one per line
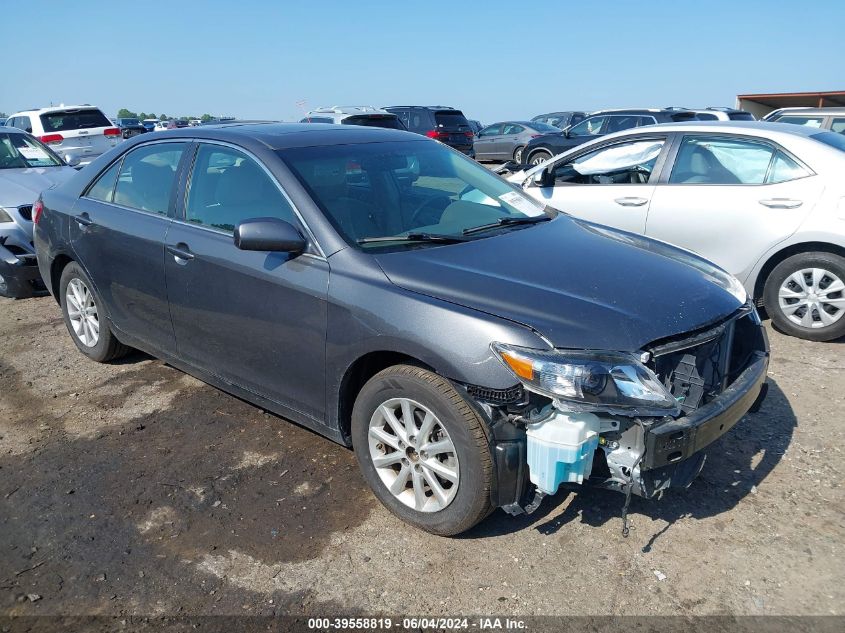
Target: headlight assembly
613 382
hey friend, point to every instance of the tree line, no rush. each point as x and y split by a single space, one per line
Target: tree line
124 113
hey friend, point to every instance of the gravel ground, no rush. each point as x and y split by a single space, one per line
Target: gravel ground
133 489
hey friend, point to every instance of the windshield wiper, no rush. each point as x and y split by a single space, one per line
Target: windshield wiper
506 222
413 237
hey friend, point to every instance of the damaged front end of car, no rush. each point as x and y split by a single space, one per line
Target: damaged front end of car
637 422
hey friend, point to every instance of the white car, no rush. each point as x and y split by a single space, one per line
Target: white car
76 133
764 201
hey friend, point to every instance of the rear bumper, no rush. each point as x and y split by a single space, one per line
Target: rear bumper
677 440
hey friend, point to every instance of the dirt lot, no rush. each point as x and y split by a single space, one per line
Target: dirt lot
132 488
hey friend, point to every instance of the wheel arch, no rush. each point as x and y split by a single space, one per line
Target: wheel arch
58 265
356 376
787 252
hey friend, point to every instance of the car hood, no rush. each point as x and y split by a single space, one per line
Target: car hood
578 284
22 186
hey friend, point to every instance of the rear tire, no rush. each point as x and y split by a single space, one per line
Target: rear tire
447 437
85 319
517 154
805 296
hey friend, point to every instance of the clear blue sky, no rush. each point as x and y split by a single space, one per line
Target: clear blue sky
495 60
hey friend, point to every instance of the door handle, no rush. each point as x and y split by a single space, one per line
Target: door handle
84 220
181 251
631 201
781 203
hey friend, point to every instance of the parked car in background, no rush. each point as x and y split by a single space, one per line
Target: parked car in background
721 114
130 127
194 122
541 149
441 123
475 125
76 133
162 125
561 120
764 201
832 119
409 303
149 124
507 140
355 115
27 167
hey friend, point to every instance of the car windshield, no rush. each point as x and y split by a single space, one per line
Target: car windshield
408 188
76 119
19 151
130 121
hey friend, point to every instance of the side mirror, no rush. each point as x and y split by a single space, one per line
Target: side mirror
72 161
269 234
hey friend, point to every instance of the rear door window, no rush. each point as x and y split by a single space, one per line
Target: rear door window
513 128
715 160
228 187
741 116
147 177
838 125
77 119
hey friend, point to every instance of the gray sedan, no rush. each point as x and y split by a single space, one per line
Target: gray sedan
506 140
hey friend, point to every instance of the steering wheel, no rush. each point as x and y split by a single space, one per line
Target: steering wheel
425 204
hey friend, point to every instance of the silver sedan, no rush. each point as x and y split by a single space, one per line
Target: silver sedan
506 140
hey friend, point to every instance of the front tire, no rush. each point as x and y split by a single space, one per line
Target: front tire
423 450
539 157
805 296
86 322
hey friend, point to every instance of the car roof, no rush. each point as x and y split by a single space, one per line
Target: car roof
803 111
635 111
352 110
287 135
753 128
84 106
516 122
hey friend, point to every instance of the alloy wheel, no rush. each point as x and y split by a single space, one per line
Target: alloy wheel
539 159
3 286
413 455
82 312
812 298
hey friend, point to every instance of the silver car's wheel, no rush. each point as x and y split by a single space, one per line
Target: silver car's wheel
812 298
517 155
3 287
413 455
82 312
